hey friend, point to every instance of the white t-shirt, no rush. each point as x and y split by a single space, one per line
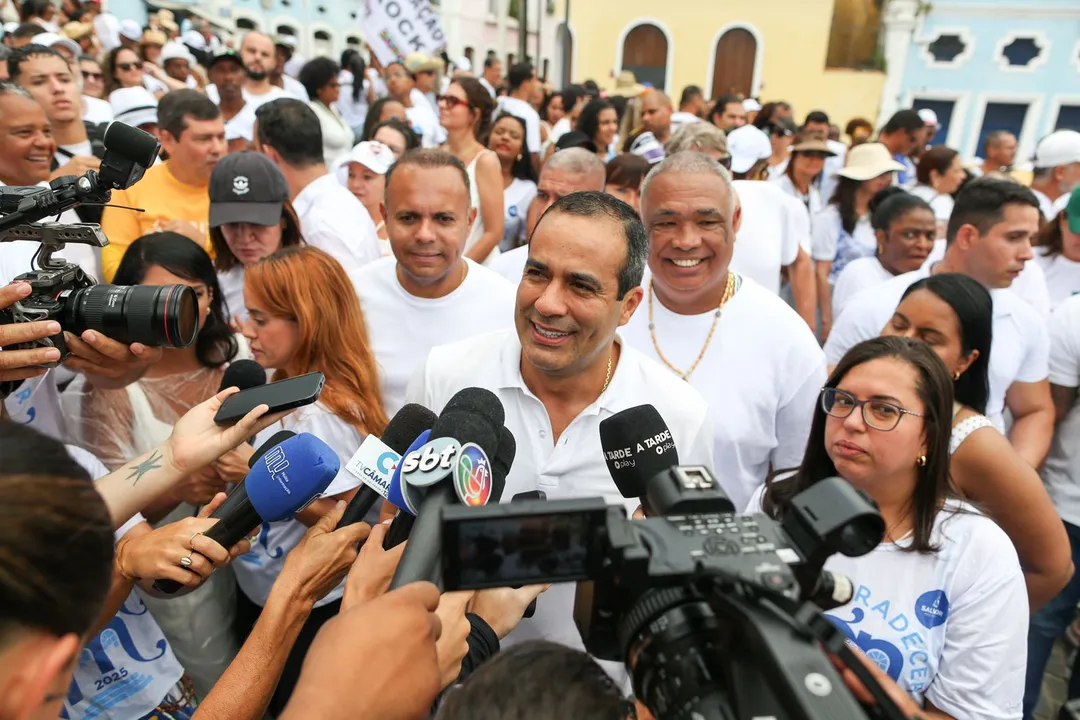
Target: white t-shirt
811 200
856 277
942 205
761 388
354 112
1046 205
257 570
241 125
402 328
681 119
254 101
521 109
333 220
572 467
424 120
1062 275
511 265
833 165
294 87
128 668
1019 352
832 244
950 627
516 201
773 227
96 110
1029 285
232 288
1061 473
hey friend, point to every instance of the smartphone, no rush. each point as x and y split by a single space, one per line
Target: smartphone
282 395
522 543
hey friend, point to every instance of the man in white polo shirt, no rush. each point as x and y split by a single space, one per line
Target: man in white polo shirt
331 218
742 347
565 369
567 171
1057 168
989 238
428 293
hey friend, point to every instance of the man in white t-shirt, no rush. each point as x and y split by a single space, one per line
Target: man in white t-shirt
704 321
989 238
1061 475
565 369
402 87
257 52
492 76
523 85
567 171
691 108
428 293
1057 168
284 52
331 218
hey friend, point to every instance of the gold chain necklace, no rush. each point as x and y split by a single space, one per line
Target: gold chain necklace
729 291
607 378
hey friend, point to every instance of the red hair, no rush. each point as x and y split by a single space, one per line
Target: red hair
309 287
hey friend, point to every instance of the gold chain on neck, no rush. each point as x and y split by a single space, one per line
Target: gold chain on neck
729 291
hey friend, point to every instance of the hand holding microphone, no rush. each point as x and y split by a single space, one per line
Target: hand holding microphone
373 569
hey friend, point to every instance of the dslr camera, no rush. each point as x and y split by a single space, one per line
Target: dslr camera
153 315
715 614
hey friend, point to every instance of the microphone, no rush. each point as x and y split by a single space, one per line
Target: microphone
376 460
285 480
455 461
276 439
243 374
637 447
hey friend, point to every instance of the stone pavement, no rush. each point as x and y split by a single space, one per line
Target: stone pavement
1055 682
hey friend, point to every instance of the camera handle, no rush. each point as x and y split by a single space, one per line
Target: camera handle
63 194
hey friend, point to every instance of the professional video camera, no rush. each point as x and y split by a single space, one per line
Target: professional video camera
153 315
713 612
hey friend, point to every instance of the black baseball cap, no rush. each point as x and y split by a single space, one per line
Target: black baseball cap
225 55
247 187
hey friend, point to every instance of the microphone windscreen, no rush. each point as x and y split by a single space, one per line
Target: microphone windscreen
406 425
395 495
243 374
131 143
289 475
501 462
276 439
467 426
479 401
637 446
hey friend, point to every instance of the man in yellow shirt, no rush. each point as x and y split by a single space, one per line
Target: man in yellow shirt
173 194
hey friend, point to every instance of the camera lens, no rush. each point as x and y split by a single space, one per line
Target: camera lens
154 315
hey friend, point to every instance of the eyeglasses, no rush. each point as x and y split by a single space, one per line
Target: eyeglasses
92 75
451 101
129 66
878 414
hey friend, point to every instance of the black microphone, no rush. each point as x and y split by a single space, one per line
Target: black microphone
468 431
276 439
637 447
243 374
399 434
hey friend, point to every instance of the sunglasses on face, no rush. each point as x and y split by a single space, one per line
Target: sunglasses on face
92 75
129 66
451 101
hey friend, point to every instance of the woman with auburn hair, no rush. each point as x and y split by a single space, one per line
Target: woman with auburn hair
304 317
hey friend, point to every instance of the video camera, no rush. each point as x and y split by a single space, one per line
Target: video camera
713 612
153 315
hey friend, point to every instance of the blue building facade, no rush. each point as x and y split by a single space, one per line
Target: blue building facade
986 65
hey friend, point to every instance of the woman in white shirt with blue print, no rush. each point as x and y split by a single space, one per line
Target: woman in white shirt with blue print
304 317
940 605
519 177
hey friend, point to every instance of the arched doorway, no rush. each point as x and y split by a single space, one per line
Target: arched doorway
733 63
645 53
323 45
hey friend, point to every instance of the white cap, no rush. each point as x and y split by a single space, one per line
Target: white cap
194 39
173 50
929 118
10 27
464 64
647 146
131 30
747 146
52 40
372 154
1061 147
751 105
134 106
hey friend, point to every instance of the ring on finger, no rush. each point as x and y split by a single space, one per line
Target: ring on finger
185 562
191 541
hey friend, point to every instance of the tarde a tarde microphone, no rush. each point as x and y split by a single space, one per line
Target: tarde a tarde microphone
453 462
376 460
287 478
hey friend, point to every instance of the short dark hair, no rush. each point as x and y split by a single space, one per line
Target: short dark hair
723 101
892 203
177 106
522 168
292 128
517 683
818 117
937 158
594 203
317 74
27 30
982 203
519 74
589 120
429 159
906 120
689 94
412 139
490 60
20 55
627 170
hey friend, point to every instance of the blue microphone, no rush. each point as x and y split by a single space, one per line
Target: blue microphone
285 480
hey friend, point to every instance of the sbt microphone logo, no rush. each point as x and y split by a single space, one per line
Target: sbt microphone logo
472 475
430 463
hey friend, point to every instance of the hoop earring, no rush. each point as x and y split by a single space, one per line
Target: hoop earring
921 462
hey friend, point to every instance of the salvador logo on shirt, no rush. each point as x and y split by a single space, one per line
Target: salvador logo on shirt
902 637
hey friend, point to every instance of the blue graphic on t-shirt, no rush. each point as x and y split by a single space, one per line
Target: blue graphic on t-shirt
513 211
932 608
21 398
887 656
252 558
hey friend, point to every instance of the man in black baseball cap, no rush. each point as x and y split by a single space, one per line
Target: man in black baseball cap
226 73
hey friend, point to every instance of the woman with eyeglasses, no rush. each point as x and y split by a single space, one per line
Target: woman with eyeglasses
800 176
93 77
465 111
320 78
125 69
905 230
940 605
781 137
953 314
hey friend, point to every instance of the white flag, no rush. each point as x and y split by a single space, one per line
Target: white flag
397 28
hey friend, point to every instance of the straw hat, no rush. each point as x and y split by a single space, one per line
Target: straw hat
153 37
814 145
868 161
626 85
